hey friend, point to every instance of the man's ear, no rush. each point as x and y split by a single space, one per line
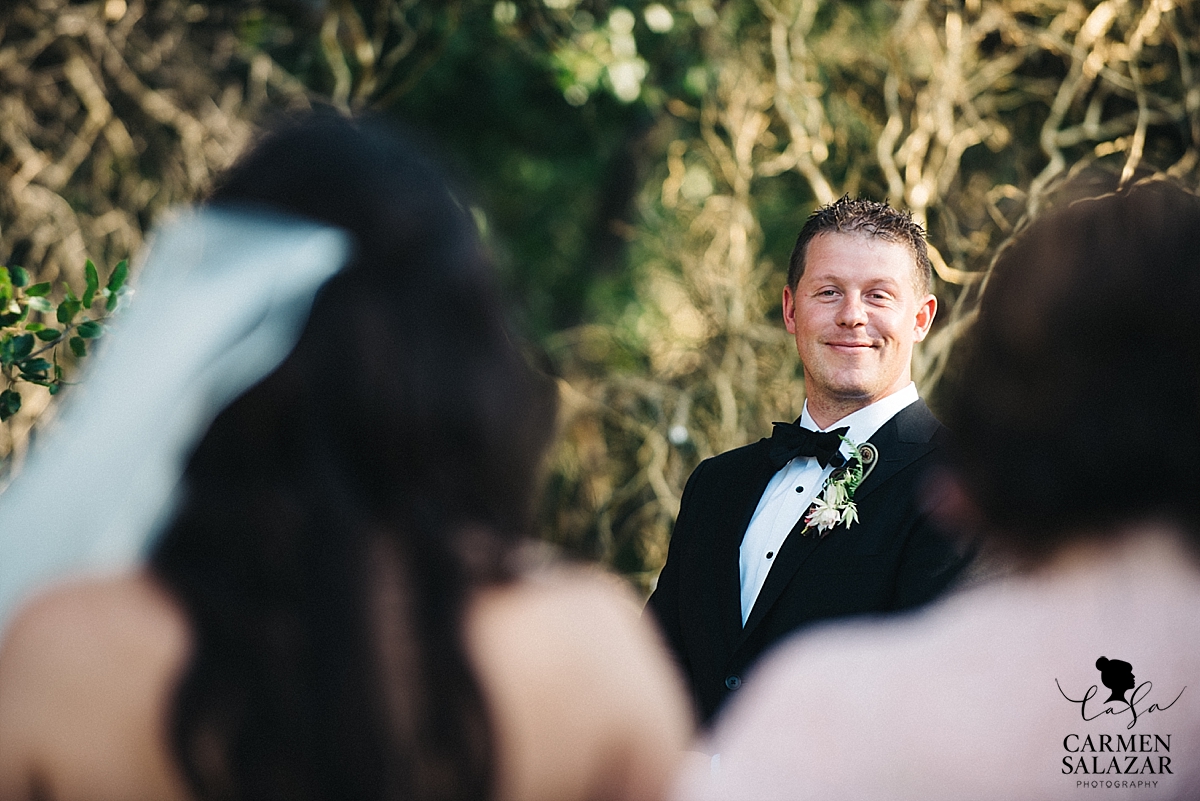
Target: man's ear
924 319
789 310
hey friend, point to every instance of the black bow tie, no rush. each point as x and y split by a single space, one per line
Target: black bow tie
789 440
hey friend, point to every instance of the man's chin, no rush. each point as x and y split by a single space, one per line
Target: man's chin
847 396
848 390
856 399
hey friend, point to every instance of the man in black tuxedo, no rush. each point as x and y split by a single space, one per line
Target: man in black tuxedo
774 536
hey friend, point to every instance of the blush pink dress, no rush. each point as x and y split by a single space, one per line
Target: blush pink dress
993 693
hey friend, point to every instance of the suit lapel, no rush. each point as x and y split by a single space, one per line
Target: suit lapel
900 441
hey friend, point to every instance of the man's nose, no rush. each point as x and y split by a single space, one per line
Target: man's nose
852 312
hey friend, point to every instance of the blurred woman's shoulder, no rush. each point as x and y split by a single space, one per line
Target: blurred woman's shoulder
86 674
584 700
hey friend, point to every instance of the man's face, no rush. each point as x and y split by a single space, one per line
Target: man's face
856 314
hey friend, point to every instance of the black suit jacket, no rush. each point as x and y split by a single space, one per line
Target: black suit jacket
894 558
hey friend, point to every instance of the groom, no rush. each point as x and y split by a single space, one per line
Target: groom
776 535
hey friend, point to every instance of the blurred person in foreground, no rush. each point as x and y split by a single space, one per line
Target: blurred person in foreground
824 519
1077 425
343 602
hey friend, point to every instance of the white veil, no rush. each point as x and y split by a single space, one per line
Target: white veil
223 296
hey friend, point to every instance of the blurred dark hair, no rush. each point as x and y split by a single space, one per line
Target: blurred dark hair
339 513
848 215
1078 400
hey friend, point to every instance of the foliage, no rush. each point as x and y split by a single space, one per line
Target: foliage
969 114
26 339
112 112
640 168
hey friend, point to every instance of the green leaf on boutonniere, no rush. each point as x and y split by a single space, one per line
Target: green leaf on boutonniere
834 506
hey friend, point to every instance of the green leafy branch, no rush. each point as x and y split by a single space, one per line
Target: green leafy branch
27 337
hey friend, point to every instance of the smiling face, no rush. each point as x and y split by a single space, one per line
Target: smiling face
855 313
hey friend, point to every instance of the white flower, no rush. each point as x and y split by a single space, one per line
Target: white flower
823 516
835 494
835 505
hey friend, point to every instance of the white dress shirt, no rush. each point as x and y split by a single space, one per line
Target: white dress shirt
793 488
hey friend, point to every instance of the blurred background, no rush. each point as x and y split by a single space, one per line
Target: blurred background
639 169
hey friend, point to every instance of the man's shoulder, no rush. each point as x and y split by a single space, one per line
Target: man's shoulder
916 424
734 470
737 459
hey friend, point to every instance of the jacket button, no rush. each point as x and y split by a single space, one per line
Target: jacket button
733 682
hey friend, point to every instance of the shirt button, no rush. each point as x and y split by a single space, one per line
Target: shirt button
799 489
770 554
733 682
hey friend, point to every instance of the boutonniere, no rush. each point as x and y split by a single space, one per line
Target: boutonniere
835 505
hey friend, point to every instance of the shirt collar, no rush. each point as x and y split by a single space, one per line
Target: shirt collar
866 421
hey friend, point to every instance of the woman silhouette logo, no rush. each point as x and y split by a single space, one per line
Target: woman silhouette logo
1117 676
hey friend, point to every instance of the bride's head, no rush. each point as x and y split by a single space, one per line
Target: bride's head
339 511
